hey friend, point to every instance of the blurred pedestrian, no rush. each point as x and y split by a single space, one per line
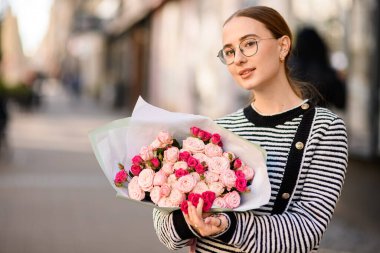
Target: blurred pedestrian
4 116
310 63
306 149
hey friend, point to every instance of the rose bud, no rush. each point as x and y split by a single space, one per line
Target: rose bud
155 162
120 178
184 156
237 163
194 131
137 160
192 162
121 166
135 169
215 139
206 137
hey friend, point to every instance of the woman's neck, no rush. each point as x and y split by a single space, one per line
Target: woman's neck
279 98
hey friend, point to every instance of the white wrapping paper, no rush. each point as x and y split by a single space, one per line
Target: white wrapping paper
120 140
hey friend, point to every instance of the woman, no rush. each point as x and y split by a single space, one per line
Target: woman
306 150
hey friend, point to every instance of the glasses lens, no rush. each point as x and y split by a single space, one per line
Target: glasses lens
248 47
227 55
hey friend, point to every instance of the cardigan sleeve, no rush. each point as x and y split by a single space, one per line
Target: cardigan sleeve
172 229
301 226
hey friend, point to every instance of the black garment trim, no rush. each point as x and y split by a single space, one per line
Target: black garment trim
273 120
293 165
227 236
181 226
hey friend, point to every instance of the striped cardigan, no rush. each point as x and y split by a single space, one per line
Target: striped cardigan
301 226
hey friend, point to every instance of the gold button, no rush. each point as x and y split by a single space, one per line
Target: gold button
305 106
285 195
299 145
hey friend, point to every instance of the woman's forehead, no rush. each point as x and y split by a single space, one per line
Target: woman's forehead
238 27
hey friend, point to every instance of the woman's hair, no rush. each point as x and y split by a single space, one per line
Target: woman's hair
277 25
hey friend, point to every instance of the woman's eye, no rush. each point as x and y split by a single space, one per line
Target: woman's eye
249 43
229 52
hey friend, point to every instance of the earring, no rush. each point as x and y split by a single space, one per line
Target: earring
282 59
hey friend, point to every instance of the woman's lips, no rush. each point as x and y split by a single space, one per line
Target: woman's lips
245 73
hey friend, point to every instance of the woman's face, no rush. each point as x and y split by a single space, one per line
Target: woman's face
254 72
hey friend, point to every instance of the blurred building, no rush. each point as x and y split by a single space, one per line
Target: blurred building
13 63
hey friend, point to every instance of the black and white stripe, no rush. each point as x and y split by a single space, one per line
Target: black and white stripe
301 226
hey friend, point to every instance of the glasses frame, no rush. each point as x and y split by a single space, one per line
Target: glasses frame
221 55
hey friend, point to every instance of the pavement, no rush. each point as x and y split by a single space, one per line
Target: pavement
55 198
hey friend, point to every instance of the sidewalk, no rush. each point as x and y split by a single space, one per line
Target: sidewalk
55 198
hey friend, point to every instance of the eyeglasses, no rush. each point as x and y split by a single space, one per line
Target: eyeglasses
248 47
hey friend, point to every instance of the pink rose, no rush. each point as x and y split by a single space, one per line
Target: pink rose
204 135
241 184
216 187
137 160
229 155
237 163
180 165
200 169
194 131
185 183
146 153
200 187
232 199
239 173
172 179
184 207
160 178
146 179
219 164
211 177
136 169
203 159
156 144
155 162
167 168
194 198
248 172
215 139
192 162
165 190
181 173
208 197
165 138
207 205
212 150
155 194
171 155
165 202
184 156
134 190
193 144
228 178
176 197
220 202
120 178
196 176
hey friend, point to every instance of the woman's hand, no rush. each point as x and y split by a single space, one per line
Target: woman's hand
205 224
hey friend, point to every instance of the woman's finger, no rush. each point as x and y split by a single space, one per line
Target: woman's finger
200 207
214 221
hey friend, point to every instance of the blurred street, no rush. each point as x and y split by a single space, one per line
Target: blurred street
55 198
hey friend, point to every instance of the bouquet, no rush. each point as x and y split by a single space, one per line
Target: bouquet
145 164
170 174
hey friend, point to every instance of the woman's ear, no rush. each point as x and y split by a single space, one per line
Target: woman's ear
285 44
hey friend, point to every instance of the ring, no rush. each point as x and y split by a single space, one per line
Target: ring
220 221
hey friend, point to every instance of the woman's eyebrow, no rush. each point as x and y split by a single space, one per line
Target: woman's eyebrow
242 38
